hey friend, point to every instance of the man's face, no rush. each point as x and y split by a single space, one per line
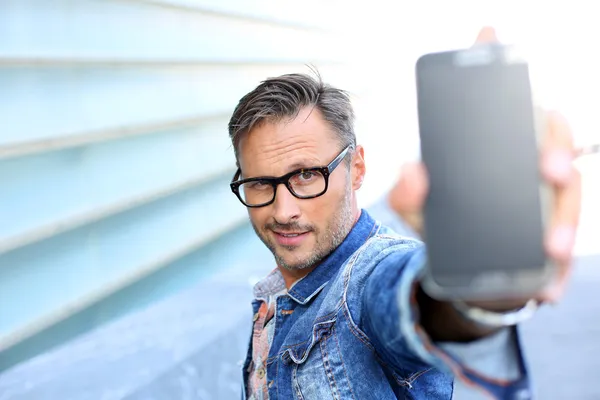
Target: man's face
301 232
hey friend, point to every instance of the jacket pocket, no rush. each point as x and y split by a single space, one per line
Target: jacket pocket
298 354
317 368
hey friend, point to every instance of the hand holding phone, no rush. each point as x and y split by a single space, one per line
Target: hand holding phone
500 194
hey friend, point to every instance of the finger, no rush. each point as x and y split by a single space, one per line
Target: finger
487 34
557 167
413 186
556 291
558 151
408 195
565 219
561 237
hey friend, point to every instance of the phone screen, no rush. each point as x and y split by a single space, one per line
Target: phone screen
479 145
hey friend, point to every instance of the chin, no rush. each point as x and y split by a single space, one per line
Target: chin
295 267
294 264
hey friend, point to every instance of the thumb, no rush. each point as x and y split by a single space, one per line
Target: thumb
487 34
408 194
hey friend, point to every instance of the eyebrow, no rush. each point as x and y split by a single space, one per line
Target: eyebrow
301 165
304 164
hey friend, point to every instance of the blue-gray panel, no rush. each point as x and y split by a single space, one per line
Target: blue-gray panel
220 266
50 103
68 272
116 30
286 12
54 188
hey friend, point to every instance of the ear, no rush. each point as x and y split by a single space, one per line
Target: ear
358 168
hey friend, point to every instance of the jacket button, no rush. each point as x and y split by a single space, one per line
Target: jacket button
260 373
255 317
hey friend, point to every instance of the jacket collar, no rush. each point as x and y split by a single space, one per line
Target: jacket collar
306 288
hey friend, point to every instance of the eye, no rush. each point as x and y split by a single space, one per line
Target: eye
257 185
307 176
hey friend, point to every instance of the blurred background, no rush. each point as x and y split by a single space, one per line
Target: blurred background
126 264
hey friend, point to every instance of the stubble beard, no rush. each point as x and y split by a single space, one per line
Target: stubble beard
327 241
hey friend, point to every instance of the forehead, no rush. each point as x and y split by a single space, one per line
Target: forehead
275 148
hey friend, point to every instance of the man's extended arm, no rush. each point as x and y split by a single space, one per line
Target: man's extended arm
435 332
491 365
439 319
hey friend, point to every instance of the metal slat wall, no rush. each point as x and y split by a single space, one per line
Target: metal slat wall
114 155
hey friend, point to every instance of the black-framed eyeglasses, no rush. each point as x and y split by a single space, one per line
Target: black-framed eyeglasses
304 183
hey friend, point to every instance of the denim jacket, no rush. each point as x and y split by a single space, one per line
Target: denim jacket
349 330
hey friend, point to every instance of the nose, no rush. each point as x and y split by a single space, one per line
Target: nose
285 206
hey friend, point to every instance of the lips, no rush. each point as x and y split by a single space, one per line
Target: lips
290 238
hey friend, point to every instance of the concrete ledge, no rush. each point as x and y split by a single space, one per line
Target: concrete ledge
188 346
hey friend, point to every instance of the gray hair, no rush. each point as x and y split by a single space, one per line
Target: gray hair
283 97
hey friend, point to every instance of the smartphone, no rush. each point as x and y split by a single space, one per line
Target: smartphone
486 212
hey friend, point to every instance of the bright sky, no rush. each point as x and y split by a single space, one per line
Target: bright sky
384 39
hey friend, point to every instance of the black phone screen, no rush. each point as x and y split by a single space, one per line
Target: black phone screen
479 145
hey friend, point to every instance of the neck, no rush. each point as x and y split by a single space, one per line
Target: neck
291 276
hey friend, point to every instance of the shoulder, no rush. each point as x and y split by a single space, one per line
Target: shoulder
383 252
385 245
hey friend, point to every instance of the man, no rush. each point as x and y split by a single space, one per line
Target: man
343 316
